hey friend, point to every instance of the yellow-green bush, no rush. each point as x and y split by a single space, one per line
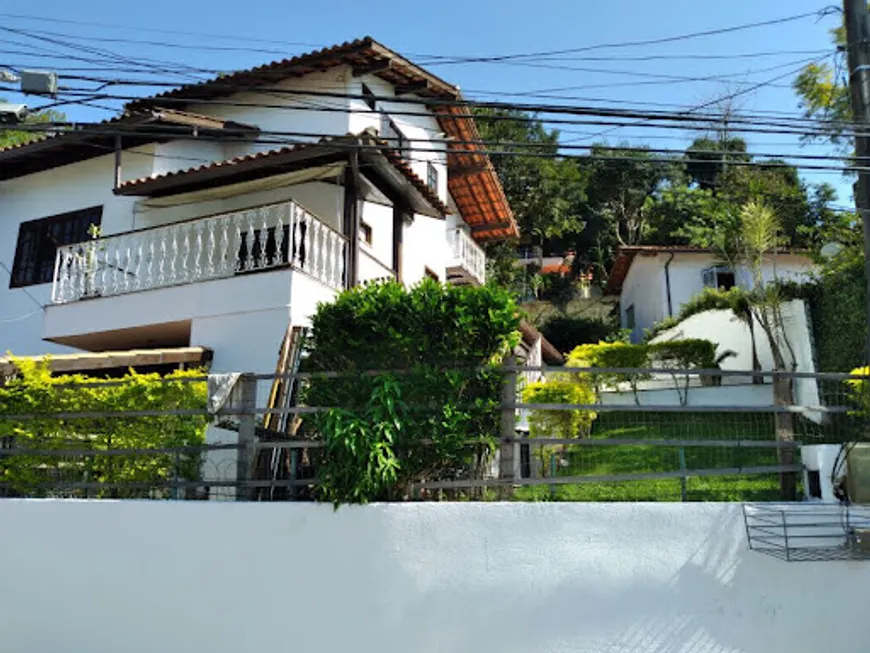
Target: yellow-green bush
34 391
565 423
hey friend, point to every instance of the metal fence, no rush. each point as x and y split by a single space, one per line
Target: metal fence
658 435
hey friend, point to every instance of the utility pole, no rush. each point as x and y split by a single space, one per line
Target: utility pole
858 51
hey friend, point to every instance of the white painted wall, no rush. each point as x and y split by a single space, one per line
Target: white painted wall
295 111
181 577
729 333
425 245
643 288
42 195
726 395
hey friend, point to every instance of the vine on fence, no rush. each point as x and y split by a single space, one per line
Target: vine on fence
34 391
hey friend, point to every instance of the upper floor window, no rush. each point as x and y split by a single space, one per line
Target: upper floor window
394 136
38 241
369 98
719 277
365 232
432 177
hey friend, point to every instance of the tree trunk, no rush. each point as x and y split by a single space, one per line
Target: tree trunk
782 396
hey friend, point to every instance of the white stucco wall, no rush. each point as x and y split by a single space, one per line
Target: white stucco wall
425 245
205 577
643 288
42 195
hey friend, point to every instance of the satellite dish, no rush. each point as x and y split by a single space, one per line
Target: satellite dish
830 250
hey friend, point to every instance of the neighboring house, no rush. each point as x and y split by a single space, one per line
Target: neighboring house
209 235
654 282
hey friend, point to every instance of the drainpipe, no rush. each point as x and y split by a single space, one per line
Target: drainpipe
668 284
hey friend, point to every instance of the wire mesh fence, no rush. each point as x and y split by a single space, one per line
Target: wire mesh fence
676 435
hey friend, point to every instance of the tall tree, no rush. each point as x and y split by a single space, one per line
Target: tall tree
544 190
823 90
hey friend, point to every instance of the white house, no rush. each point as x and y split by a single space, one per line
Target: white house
654 282
226 210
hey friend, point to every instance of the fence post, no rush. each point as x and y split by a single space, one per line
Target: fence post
784 421
684 490
508 451
247 434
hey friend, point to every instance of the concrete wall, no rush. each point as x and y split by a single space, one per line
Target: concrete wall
729 333
205 577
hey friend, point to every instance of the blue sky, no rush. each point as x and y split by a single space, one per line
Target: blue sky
481 27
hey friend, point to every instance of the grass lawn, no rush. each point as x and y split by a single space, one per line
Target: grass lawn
634 459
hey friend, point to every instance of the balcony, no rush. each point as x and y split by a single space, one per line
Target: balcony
467 263
276 236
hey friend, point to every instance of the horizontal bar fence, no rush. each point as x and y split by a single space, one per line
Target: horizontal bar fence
665 435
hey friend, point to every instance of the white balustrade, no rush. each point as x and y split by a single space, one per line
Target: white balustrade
274 236
468 254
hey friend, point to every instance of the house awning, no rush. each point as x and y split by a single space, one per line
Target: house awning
101 362
377 161
135 128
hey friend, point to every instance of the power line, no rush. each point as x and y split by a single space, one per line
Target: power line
26 291
442 60
661 155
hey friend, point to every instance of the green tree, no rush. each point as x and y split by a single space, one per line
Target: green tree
12 137
545 191
707 159
824 95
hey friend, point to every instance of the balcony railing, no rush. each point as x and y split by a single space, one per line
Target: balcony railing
217 247
467 255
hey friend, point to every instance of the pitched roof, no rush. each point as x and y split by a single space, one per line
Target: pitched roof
272 162
549 352
472 180
68 145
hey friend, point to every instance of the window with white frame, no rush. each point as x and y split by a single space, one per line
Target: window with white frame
432 177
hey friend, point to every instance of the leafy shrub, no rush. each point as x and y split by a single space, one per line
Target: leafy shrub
610 355
839 314
684 354
34 391
566 332
564 423
436 419
557 288
859 390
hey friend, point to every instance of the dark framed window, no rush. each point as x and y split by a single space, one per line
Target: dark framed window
38 241
432 177
365 232
369 98
719 277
